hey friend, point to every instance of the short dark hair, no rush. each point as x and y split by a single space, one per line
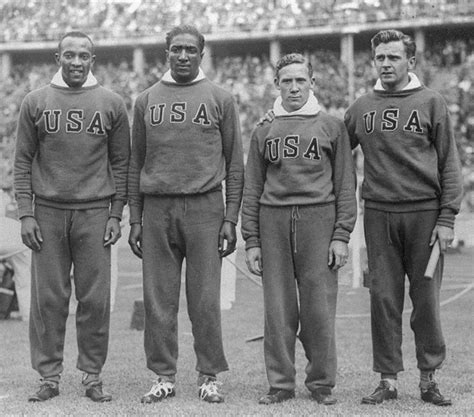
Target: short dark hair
190 29
391 35
76 34
293 58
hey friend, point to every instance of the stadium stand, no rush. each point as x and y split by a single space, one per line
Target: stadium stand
27 20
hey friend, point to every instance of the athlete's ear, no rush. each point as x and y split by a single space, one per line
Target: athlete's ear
411 63
276 81
167 55
57 58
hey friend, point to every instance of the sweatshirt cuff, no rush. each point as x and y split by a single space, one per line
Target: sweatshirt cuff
232 213
116 209
342 235
252 242
230 221
25 207
446 218
135 215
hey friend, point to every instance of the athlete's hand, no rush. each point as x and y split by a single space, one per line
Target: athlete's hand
253 259
267 117
135 239
338 254
31 233
227 233
445 236
112 231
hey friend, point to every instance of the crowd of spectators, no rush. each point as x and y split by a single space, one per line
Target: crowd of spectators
33 20
250 79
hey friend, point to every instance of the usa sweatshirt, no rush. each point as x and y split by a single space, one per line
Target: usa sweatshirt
300 158
185 140
72 148
411 161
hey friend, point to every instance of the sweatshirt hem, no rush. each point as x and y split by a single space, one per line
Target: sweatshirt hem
402 207
306 203
73 205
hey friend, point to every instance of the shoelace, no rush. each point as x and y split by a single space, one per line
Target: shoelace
209 388
48 384
432 386
384 385
161 388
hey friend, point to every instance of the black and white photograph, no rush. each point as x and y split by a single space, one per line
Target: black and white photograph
236 208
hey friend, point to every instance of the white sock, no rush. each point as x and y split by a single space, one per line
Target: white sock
391 382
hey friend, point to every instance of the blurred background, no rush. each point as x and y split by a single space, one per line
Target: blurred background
244 38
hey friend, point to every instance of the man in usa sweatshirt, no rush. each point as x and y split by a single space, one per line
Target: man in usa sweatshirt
185 143
70 178
412 192
298 211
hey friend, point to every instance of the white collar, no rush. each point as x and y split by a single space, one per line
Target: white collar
168 78
310 108
59 81
413 82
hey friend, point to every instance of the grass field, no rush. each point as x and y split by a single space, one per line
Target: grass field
127 378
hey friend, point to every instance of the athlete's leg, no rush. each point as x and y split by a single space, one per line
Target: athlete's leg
318 292
425 318
92 284
280 297
202 221
387 288
163 253
50 292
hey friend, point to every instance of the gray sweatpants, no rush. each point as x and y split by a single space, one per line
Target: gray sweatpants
70 237
398 245
299 291
175 228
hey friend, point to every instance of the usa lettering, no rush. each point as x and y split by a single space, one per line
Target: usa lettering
74 122
178 113
289 148
390 121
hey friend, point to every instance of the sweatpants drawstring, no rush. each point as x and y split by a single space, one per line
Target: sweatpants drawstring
66 226
295 215
387 225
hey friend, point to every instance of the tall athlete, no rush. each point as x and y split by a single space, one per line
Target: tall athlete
412 192
71 159
298 211
185 143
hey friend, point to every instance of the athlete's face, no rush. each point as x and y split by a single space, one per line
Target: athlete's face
393 65
184 57
75 59
294 84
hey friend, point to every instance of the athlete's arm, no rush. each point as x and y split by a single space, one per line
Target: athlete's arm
338 253
135 239
112 231
31 233
253 258
227 234
445 236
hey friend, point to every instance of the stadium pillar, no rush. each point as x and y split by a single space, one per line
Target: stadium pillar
275 50
138 61
347 57
420 40
207 62
6 64
419 37
357 237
